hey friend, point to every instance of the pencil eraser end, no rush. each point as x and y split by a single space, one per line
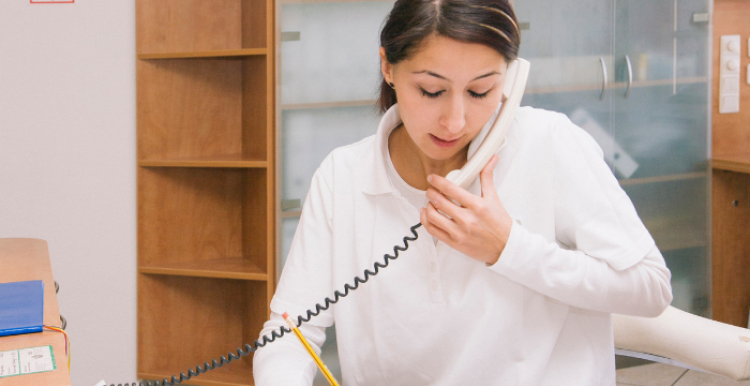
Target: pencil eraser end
286 315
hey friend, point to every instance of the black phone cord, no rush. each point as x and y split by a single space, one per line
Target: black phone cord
337 295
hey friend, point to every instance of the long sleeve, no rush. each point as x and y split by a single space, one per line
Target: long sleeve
582 281
285 362
601 256
304 282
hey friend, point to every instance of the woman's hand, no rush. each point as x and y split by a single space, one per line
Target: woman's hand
479 227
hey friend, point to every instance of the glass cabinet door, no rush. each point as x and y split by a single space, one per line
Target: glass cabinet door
661 125
569 44
329 77
655 139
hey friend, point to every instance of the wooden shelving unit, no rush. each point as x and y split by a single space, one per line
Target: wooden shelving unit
206 183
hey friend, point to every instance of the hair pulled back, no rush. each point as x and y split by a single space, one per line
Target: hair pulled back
489 22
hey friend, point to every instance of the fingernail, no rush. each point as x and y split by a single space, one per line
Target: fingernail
429 178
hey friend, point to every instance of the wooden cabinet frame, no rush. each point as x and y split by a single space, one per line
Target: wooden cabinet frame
206 183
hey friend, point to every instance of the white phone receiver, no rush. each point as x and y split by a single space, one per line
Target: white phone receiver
515 84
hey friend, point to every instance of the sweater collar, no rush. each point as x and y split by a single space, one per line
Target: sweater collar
380 183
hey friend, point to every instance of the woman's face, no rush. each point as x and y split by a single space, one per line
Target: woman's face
446 92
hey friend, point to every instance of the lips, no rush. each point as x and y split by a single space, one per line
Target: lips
443 143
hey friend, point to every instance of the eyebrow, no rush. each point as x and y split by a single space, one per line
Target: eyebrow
444 78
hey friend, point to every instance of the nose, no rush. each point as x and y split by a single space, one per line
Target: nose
453 117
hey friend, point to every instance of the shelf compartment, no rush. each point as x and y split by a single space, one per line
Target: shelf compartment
203 108
226 268
228 161
205 54
186 321
187 216
168 26
739 162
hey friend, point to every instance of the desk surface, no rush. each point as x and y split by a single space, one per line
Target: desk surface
28 259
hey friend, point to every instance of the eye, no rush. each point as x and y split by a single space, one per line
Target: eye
479 96
431 94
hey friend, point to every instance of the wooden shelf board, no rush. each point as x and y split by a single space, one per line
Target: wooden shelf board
210 378
235 268
230 161
732 162
291 213
206 54
657 179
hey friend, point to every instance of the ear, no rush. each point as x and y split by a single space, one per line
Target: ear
385 67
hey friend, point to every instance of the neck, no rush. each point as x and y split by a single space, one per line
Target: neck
413 165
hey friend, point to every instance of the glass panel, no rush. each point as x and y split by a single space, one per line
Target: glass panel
308 135
336 57
566 42
662 132
329 59
690 286
676 214
661 125
288 227
330 356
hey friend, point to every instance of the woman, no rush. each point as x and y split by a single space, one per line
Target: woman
514 282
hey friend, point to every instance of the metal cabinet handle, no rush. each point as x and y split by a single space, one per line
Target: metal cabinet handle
604 80
630 75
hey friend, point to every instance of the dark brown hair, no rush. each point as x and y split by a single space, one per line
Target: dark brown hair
489 22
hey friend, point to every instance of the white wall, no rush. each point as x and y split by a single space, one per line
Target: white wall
67 166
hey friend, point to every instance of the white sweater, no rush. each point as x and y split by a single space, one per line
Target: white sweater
540 316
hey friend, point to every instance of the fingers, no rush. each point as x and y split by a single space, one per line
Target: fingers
460 195
431 228
451 190
443 204
436 223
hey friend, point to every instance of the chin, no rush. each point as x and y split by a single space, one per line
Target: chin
440 154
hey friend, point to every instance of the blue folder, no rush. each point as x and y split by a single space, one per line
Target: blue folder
21 307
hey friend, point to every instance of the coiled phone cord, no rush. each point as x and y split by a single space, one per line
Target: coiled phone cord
337 295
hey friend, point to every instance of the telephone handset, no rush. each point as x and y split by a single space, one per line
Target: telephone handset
515 83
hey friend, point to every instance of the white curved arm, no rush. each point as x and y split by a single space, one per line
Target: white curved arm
702 343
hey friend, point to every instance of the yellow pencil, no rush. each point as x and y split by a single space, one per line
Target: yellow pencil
318 361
